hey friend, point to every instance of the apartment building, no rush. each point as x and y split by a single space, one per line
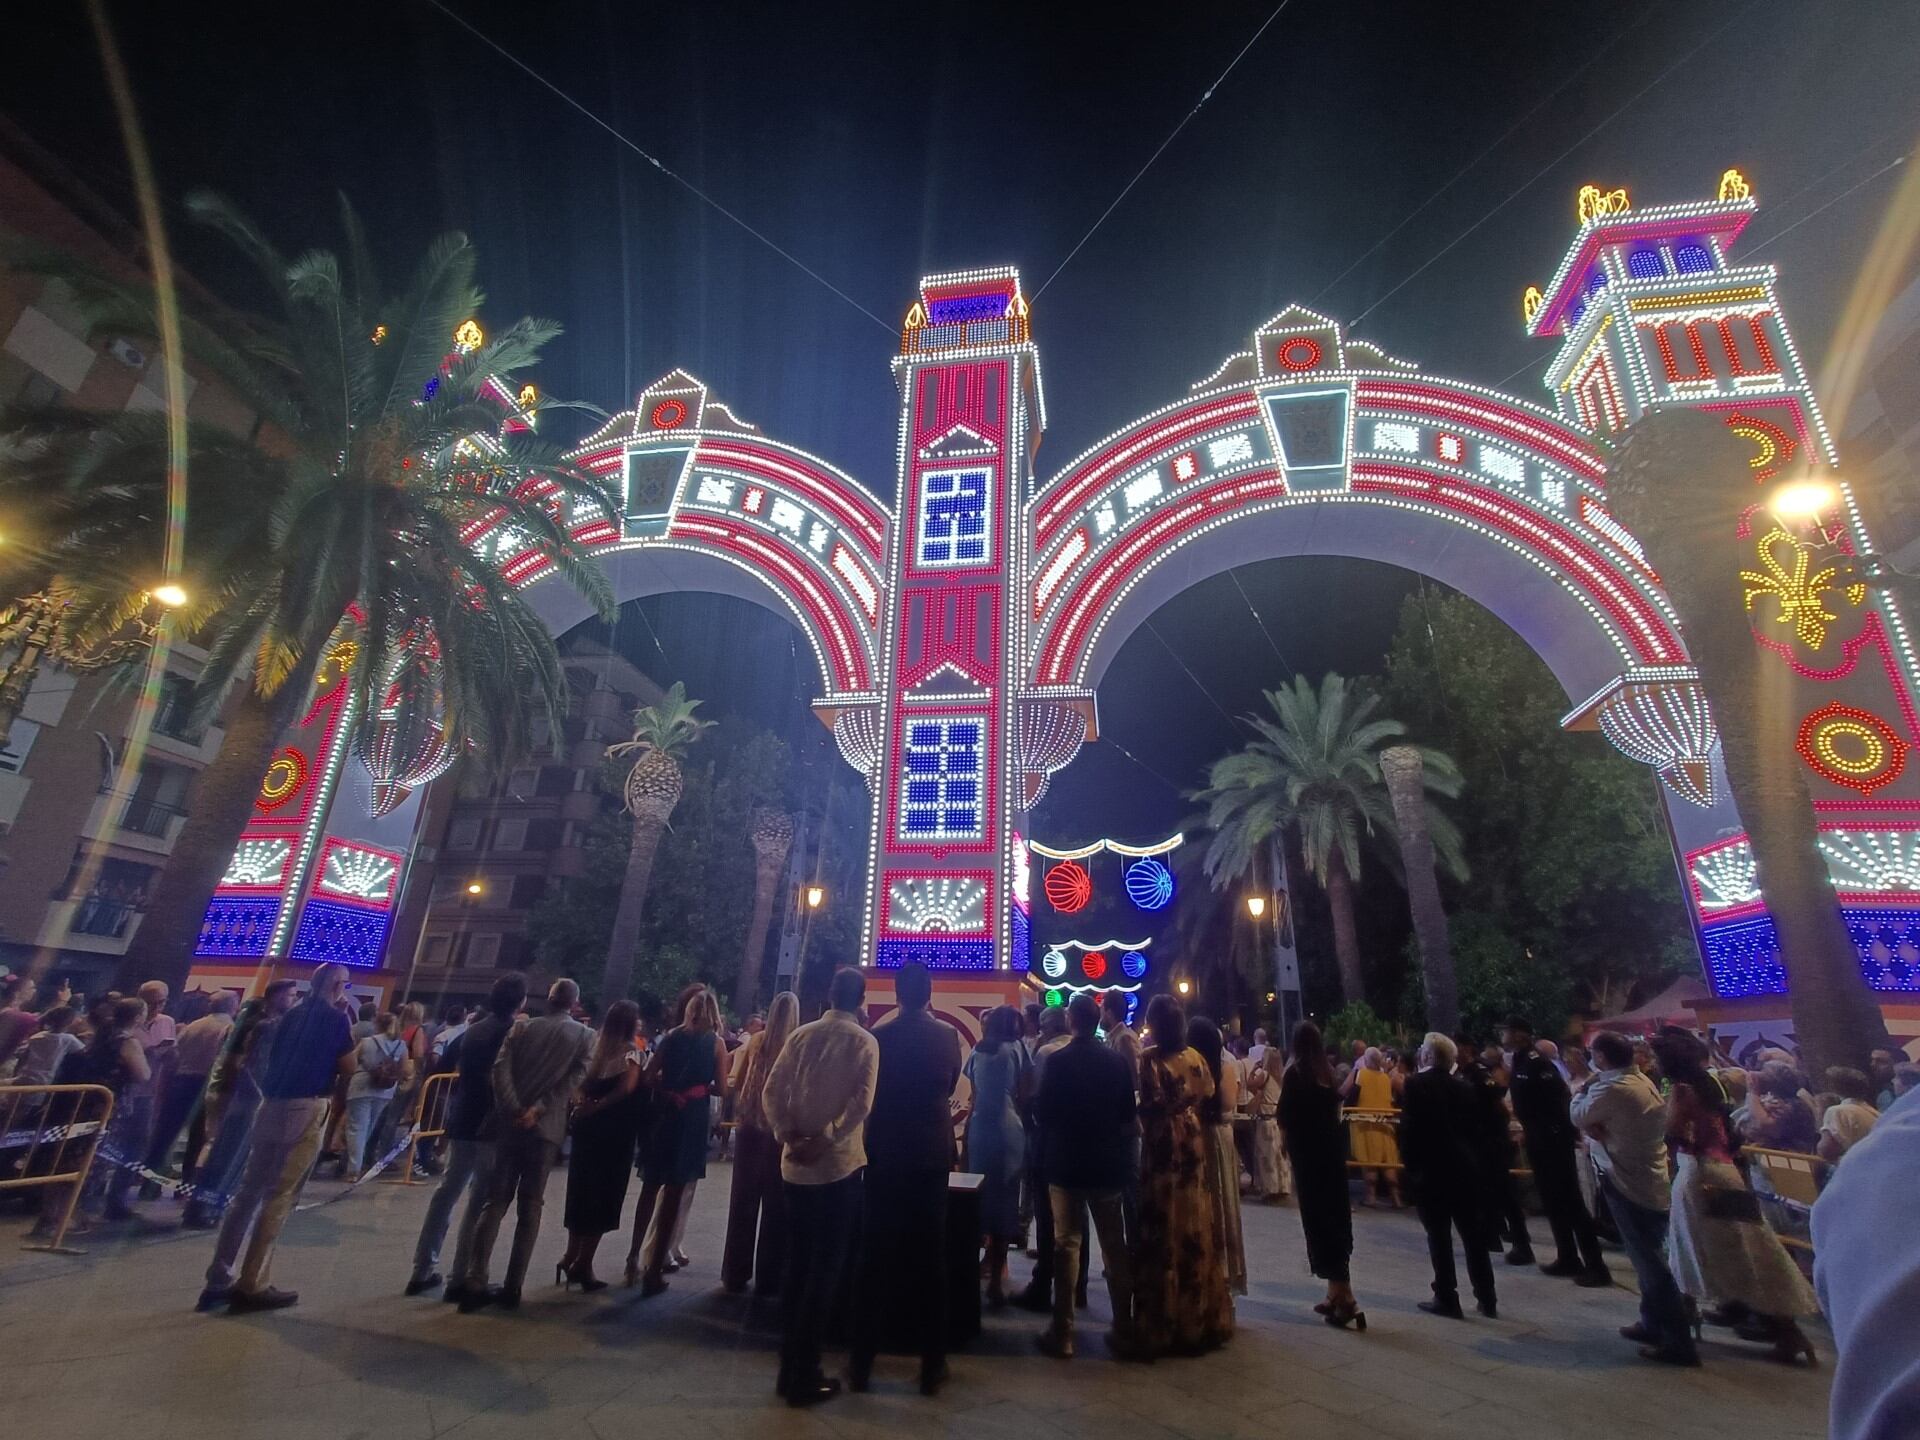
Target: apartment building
57 769
488 855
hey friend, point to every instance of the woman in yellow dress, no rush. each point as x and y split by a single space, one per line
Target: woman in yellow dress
1374 1148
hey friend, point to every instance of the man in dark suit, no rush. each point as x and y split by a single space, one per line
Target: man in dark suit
1438 1117
1086 1109
1542 1103
909 1156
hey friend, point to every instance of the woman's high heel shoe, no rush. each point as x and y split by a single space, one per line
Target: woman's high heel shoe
562 1275
1353 1315
586 1280
633 1270
1791 1345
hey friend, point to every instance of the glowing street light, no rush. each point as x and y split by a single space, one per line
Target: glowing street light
1256 905
1184 987
474 887
170 595
1803 499
815 894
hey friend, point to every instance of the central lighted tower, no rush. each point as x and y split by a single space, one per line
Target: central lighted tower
947 796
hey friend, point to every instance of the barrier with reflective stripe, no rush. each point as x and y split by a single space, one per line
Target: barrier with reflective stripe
49 1135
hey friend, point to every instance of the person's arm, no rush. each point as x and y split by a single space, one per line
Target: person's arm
133 1057
506 1096
775 1094
722 1081
860 1102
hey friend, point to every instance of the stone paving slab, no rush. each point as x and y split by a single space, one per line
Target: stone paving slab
105 1345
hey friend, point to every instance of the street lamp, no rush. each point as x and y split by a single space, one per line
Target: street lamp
1256 905
474 887
1803 499
815 894
1184 987
170 595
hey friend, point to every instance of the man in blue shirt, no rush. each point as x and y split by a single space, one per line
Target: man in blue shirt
312 1044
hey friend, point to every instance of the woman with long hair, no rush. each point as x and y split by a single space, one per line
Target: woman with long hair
1317 1147
686 1070
996 1144
382 1068
1223 1156
756 1214
1181 1303
606 1123
1719 1246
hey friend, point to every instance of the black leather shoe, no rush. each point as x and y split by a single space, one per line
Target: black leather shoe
420 1286
213 1298
1520 1257
473 1301
1445 1309
812 1392
1638 1334
1489 1308
1560 1269
1594 1280
860 1375
506 1299
454 1293
932 1379
1035 1298
1671 1355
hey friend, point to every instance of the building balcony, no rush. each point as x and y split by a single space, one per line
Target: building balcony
152 818
93 924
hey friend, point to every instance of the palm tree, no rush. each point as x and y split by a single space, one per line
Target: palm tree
772 838
359 510
662 734
1681 481
1316 766
1404 768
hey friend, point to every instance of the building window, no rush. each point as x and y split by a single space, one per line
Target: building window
158 800
522 781
483 952
510 833
1646 265
175 716
19 744
558 780
118 894
543 835
1692 259
463 833
437 952
942 763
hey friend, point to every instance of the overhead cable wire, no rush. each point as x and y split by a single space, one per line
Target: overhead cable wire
1474 163
1234 575
1171 137
1154 631
656 162
1546 169
1893 164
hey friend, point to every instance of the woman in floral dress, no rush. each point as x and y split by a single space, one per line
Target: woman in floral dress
1181 1301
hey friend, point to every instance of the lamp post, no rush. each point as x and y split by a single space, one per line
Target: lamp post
37 624
811 898
1256 905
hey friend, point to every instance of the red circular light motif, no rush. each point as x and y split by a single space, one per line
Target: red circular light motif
1068 887
1852 748
1301 352
669 414
1093 964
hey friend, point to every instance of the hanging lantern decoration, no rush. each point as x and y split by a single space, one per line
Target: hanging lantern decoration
1068 887
1049 733
1659 716
407 746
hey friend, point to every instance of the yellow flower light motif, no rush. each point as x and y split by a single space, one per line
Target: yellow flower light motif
469 336
1530 302
529 397
379 334
1800 593
1734 186
1593 203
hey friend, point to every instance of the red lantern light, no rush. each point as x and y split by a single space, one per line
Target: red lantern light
1068 887
1093 965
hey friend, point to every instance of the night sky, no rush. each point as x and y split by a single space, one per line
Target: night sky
877 143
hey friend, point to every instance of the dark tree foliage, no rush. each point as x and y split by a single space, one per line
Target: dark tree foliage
1572 864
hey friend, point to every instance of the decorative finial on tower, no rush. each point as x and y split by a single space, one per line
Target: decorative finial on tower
1734 186
1593 204
917 316
1530 303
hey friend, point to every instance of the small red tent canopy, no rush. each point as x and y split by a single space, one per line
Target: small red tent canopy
1672 1006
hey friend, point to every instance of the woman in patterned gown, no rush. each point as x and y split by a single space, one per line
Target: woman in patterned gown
1181 1301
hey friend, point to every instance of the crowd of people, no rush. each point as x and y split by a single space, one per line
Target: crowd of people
846 1135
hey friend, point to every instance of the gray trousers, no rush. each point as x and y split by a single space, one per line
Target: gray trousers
470 1172
521 1161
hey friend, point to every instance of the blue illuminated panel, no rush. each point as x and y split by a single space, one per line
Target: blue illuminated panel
1692 258
964 309
1743 956
953 518
237 926
348 934
940 787
936 953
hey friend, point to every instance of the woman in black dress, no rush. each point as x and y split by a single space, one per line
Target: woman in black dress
605 1124
1316 1143
687 1067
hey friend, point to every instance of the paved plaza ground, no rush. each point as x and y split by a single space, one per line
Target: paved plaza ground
106 1347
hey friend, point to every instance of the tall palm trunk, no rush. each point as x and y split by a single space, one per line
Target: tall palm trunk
1681 483
772 838
222 805
1346 934
1406 788
617 978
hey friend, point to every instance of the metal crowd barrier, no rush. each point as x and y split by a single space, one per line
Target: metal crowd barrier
429 1119
59 1128
1794 1181
1371 1115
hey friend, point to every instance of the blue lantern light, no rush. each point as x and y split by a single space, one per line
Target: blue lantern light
1133 964
1149 884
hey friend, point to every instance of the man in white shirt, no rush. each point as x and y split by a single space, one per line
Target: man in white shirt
1621 1113
816 1100
1847 1123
